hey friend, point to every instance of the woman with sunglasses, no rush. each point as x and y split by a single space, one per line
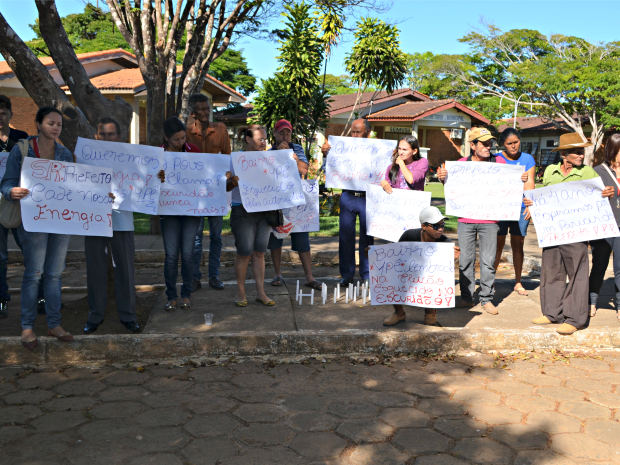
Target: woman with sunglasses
433 223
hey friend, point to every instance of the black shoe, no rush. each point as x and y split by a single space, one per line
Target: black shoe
41 306
215 283
196 284
91 327
345 281
132 326
3 309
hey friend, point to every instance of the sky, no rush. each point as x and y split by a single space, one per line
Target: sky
425 25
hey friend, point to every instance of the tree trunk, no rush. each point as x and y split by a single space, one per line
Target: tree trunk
155 117
88 97
40 85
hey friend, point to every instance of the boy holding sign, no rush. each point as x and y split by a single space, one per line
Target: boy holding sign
433 223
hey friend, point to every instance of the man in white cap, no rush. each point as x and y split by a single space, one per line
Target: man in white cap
562 302
433 223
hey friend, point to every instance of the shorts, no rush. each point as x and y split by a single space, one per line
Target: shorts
251 231
300 242
517 228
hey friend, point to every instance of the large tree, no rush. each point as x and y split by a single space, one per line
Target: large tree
565 79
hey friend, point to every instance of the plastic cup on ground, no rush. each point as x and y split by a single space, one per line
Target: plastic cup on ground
208 319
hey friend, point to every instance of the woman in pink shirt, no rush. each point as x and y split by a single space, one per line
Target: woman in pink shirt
408 168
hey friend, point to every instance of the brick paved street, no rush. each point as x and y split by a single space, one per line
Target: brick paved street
527 409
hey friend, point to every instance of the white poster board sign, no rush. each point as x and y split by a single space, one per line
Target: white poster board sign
268 180
195 184
419 274
388 216
571 212
353 162
484 190
135 183
66 198
305 218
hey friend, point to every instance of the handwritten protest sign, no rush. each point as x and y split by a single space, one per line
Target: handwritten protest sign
305 218
134 167
268 180
195 184
484 191
571 212
388 216
66 198
420 274
353 162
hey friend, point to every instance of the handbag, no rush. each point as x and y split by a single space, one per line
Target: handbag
275 218
10 210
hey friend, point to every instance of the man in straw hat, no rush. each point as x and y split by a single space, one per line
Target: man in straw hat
561 302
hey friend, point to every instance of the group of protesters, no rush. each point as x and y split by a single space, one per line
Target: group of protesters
44 253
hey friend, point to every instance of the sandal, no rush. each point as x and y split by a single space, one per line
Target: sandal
170 308
593 311
277 281
522 291
63 337
241 303
314 285
268 303
186 306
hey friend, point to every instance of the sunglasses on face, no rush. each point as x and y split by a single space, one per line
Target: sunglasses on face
437 226
577 152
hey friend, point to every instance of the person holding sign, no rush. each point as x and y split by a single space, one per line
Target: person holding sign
511 140
209 137
602 248
251 230
43 252
177 230
408 169
122 249
433 223
561 302
352 205
300 241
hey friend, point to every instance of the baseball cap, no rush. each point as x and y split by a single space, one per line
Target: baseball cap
431 215
480 134
283 124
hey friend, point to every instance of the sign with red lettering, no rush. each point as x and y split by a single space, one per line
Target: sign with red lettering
353 162
66 198
419 274
484 191
268 180
571 212
195 184
134 169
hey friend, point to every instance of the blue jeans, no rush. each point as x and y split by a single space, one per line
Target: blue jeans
173 230
350 208
43 253
215 246
486 233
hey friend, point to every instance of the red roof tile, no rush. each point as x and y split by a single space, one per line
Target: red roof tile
411 111
339 103
534 123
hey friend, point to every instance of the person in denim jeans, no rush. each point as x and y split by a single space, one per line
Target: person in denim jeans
43 252
178 232
251 230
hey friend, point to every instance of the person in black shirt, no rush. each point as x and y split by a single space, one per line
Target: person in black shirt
433 223
8 138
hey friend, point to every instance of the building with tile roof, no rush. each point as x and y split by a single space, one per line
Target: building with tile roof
113 72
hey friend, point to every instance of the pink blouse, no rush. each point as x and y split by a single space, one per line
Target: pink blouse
418 168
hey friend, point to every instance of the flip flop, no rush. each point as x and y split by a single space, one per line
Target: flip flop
522 291
314 285
277 281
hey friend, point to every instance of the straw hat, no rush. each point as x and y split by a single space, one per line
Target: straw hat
571 141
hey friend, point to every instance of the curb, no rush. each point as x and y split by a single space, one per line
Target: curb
127 347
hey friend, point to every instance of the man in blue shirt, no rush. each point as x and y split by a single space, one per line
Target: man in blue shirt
300 242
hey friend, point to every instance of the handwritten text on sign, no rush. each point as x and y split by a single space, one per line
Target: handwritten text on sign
135 183
571 212
195 184
66 198
268 180
388 216
420 274
484 190
353 162
305 218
